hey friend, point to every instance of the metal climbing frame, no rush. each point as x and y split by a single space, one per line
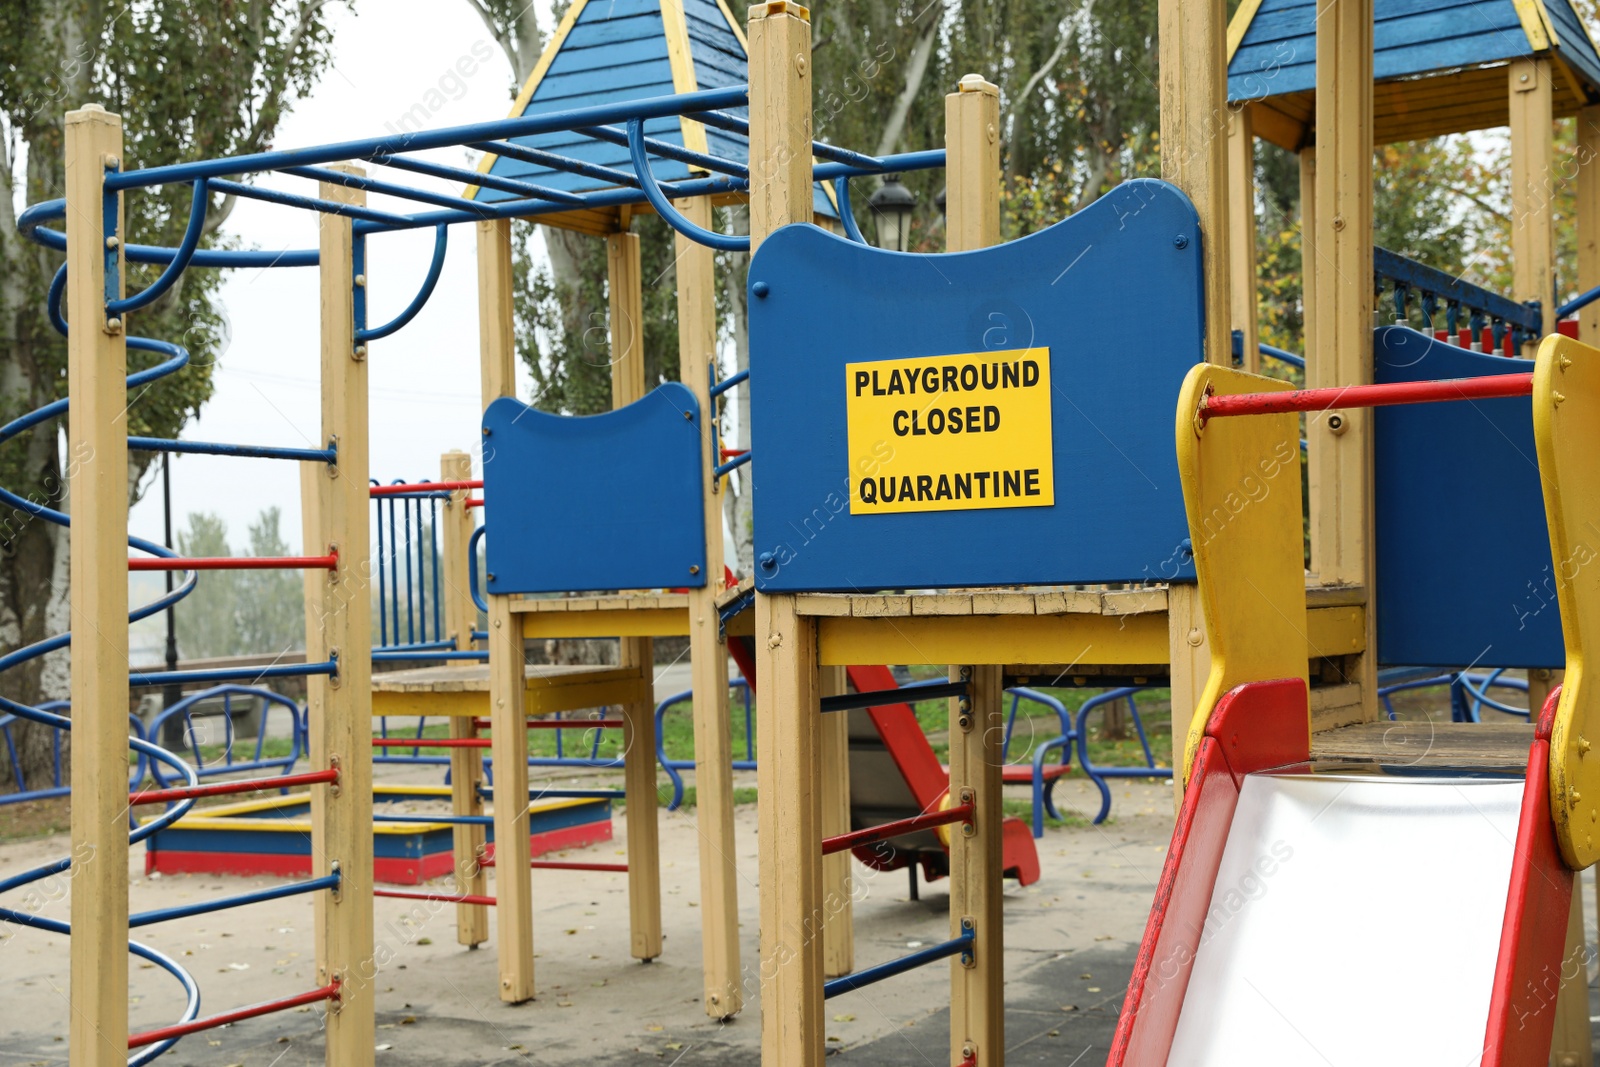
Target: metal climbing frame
90 290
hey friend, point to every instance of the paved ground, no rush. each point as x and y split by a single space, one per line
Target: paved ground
1069 946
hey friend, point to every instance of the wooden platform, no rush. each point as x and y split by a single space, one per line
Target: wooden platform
1478 746
619 615
464 690
1088 630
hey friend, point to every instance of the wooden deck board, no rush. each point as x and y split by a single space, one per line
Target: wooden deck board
1482 746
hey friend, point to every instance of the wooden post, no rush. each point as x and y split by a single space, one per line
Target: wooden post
1532 190
1308 254
466 764
507 660
1588 147
708 655
1242 232
1194 142
972 170
97 436
1194 157
788 761
838 914
1340 449
977 737
341 736
639 731
977 1018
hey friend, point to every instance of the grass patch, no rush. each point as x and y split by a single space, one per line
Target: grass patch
743 794
1023 809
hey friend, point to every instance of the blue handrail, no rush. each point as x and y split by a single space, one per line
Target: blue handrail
663 207
180 260
441 239
847 215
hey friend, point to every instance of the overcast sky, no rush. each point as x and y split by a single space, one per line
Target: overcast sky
424 380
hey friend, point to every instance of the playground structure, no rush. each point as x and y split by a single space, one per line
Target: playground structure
822 564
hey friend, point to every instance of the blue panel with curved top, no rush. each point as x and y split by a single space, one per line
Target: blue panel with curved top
1114 294
598 502
1463 552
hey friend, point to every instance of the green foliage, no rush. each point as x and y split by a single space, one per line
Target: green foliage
233 613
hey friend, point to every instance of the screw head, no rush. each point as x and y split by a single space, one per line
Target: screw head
694 568
760 289
767 561
1181 241
112 242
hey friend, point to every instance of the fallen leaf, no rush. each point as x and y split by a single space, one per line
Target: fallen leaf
844 1018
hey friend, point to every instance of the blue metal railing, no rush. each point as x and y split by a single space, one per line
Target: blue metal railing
1407 277
957 946
225 763
673 766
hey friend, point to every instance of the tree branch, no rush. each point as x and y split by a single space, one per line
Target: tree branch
916 70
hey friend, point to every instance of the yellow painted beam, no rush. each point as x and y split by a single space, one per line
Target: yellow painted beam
537 700
623 622
940 639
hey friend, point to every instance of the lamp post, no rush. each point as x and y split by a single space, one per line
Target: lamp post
892 207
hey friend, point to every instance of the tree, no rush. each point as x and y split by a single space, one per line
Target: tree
239 613
271 612
190 81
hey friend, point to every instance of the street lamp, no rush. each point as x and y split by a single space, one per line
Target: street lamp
892 206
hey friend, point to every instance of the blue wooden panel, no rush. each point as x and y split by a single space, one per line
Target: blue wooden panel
1277 55
1463 553
599 502
1114 292
1575 43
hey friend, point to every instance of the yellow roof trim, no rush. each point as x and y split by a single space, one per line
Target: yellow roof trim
680 57
1535 23
1239 24
532 84
735 25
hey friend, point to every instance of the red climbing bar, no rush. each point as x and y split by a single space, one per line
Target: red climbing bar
959 813
1488 387
474 501
423 487
560 724
733 453
442 898
431 742
150 1037
222 789
234 563
557 865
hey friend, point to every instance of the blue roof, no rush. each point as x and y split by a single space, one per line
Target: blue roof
1276 53
615 50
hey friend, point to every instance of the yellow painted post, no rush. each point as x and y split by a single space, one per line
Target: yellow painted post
1242 236
1189 654
838 915
341 737
507 675
788 777
977 1007
466 764
1532 191
977 1018
1571 1044
1588 148
708 655
1340 443
97 437
639 731
1308 252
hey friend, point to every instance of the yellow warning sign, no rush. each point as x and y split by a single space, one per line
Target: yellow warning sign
950 433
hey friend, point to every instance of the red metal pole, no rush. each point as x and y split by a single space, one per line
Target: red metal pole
424 487
474 501
560 724
431 742
442 898
959 813
222 789
1488 387
234 563
150 1037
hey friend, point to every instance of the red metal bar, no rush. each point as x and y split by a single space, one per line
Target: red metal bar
557 865
234 563
730 453
431 742
150 1037
423 487
222 789
1488 387
474 501
443 898
559 724
959 813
